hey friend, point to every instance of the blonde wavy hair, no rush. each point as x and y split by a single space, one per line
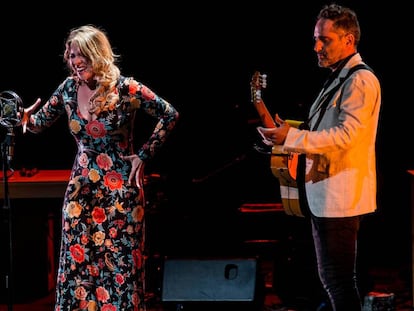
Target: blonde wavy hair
95 46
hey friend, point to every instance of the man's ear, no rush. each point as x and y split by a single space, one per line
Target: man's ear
350 39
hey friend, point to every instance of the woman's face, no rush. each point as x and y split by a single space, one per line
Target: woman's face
80 64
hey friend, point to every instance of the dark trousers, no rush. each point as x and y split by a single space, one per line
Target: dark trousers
335 242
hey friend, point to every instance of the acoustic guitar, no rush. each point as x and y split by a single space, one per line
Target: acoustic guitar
283 165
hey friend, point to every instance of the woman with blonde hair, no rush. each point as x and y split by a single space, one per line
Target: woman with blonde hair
101 264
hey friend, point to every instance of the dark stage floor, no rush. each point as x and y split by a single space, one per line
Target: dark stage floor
284 273
392 282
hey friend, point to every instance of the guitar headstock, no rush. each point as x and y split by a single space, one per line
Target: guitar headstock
259 82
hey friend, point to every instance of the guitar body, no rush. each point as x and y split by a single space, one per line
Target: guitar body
283 165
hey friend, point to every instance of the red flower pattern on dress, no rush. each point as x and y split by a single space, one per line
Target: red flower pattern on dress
133 87
108 307
104 161
93 270
113 180
113 233
77 252
98 215
80 293
95 129
102 294
147 93
120 279
83 305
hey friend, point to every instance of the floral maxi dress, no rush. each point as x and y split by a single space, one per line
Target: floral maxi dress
101 263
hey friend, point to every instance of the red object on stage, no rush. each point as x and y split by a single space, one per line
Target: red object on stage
42 184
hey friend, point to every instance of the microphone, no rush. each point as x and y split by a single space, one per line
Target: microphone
11 109
11 112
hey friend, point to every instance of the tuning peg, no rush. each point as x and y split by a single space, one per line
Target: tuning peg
264 80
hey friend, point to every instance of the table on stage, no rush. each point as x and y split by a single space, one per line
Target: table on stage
43 184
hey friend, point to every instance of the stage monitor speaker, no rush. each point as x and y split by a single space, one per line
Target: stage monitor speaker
209 280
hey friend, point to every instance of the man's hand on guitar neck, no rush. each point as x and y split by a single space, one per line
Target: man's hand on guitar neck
275 135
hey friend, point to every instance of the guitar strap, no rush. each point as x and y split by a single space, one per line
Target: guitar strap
300 182
301 167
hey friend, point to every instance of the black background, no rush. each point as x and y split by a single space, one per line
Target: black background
200 56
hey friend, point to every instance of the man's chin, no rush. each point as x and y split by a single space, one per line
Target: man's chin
323 64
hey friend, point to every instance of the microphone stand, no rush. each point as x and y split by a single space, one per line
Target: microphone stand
7 150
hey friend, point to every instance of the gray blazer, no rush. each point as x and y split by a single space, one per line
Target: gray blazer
340 153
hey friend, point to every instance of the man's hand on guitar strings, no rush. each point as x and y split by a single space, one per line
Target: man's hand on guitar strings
275 135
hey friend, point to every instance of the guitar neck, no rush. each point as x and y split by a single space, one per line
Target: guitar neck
264 114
